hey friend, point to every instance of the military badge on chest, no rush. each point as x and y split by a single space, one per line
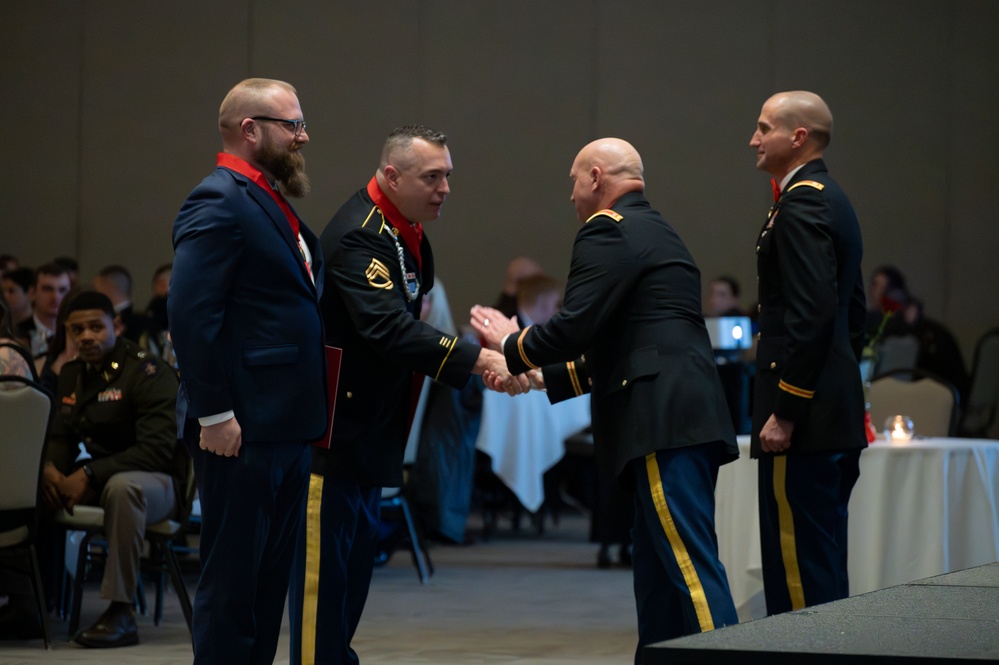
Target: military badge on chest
109 395
412 285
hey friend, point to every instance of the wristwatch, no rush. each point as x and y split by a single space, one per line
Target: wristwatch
90 472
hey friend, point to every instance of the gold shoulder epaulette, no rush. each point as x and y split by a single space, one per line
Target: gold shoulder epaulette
810 183
609 213
380 218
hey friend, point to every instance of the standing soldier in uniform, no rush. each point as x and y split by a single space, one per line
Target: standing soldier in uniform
660 421
808 406
120 402
379 267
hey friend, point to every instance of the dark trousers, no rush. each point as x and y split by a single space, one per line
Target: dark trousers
332 571
680 584
803 527
251 510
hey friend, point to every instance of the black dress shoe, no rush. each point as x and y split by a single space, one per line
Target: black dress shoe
115 628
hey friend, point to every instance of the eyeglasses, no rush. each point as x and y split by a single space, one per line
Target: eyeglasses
296 126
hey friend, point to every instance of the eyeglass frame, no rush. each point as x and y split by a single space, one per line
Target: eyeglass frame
298 126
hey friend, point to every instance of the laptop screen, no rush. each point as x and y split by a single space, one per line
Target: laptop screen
729 332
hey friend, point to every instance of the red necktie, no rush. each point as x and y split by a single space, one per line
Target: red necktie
776 188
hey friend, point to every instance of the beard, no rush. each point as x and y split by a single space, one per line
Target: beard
288 168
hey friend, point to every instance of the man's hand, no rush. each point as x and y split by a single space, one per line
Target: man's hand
223 438
495 374
74 490
492 326
775 437
51 479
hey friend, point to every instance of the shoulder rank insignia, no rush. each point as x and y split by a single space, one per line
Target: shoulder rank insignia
378 275
607 212
149 367
807 183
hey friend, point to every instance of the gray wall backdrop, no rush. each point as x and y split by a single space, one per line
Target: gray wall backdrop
110 109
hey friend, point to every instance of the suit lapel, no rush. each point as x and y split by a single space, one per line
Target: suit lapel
282 226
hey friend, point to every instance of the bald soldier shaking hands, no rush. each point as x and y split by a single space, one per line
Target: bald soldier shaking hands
660 421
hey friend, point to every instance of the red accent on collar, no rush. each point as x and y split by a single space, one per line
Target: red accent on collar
241 166
776 188
412 234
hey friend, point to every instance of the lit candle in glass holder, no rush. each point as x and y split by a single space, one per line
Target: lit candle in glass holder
898 428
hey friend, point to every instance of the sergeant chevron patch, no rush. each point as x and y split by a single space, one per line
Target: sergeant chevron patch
378 275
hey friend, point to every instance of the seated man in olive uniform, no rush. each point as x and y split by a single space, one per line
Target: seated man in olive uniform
119 402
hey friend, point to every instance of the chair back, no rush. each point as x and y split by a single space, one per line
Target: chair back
25 409
983 397
930 401
896 352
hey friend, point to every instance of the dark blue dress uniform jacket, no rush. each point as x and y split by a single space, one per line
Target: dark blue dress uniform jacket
632 309
368 316
811 316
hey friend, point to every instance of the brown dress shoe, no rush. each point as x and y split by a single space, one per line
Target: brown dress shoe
115 628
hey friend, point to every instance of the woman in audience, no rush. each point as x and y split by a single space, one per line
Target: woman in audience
14 358
61 350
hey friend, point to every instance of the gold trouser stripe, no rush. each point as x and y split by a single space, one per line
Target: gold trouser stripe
440 369
574 378
679 550
788 547
310 596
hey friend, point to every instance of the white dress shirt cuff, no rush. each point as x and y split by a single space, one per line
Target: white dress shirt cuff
216 419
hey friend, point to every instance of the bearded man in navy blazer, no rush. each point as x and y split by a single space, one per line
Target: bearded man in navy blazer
247 329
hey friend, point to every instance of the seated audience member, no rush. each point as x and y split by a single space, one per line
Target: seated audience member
161 280
723 297
518 269
115 282
938 352
8 262
18 616
15 360
444 470
157 334
885 293
19 291
72 268
120 402
52 283
61 350
538 298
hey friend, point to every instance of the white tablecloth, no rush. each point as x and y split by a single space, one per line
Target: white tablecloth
919 509
524 436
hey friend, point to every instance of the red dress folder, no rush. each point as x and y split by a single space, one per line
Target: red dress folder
333 356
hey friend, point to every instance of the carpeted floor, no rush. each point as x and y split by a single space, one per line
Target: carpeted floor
521 597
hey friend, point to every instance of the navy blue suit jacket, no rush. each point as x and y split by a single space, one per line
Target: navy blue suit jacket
244 313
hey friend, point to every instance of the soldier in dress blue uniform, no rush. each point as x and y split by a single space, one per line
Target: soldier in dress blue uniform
379 265
808 406
632 309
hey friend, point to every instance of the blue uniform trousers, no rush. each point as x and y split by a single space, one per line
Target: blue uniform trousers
251 510
803 527
680 584
332 570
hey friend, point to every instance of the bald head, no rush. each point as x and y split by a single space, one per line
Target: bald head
617 158
603 171
800 108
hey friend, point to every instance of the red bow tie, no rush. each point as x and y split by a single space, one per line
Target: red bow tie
776 188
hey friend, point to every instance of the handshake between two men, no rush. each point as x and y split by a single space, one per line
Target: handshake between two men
493 326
